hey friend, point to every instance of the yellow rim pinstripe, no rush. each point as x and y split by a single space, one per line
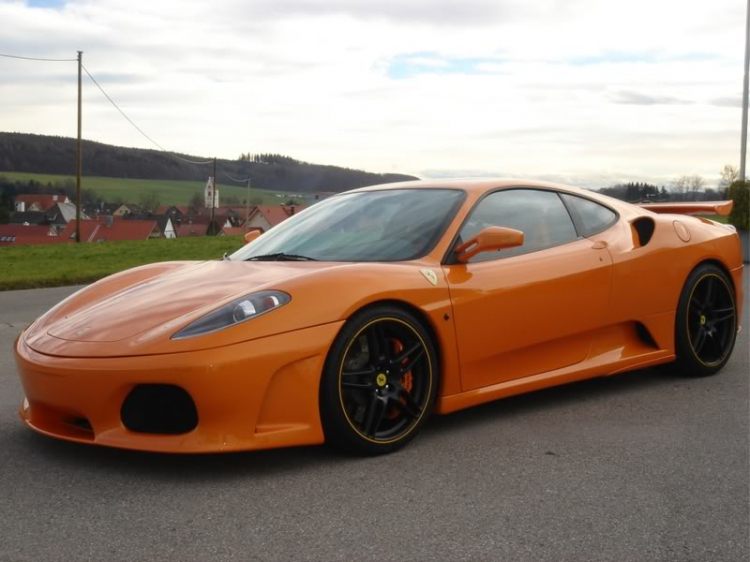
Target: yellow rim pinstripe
687 317
341 371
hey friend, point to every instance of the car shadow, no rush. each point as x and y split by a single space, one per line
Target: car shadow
200 467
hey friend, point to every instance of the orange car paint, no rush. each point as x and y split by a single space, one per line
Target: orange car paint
502 327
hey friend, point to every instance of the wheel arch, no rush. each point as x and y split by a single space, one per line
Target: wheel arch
421 316
715 262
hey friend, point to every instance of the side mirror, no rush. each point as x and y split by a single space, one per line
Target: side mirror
252 235
489 239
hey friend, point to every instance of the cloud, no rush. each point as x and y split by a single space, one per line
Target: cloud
576 89
727 102
640 98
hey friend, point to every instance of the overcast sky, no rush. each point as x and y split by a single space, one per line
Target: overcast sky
589 92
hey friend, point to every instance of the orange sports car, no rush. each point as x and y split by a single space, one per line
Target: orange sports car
356 319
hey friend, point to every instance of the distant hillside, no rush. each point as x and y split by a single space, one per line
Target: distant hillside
21 152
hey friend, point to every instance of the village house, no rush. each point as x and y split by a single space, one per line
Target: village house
18 234
191 229
37 202
265 217
111 229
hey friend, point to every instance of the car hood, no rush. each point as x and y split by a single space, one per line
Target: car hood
163 303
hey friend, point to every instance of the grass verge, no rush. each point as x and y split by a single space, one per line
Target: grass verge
56 265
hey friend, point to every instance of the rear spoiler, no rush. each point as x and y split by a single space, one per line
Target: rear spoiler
693 208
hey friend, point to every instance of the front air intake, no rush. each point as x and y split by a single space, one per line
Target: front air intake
159 408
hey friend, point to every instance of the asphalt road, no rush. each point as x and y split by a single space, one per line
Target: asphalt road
643 466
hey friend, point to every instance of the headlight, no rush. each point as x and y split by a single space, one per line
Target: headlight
235 312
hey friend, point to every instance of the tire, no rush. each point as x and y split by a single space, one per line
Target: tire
706 322
379 382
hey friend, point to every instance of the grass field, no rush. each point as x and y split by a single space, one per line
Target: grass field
55 265
717 218
170 192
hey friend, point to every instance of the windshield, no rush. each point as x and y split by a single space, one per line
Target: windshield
388 225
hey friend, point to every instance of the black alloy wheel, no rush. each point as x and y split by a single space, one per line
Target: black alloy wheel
711 319
380 381
706 327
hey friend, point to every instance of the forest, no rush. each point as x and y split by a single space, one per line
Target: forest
22 152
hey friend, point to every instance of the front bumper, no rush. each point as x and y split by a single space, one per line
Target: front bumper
254 395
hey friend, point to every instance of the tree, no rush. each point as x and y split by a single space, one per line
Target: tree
739 192
90 198
695 184
632 192
196 203
729 174
680 187
149 201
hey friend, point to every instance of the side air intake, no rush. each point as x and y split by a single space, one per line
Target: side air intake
643 230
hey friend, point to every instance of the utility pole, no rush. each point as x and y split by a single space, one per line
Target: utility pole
213 198
247 205
79 154
743 144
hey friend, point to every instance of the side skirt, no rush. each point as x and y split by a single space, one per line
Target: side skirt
596 366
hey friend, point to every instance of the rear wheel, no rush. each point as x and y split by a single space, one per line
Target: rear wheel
706 323
379 383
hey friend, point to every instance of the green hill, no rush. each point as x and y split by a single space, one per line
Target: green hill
40 154
169 192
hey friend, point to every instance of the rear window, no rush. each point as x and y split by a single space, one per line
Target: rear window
591 216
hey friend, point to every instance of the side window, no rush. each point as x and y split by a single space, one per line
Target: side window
540 215
592 216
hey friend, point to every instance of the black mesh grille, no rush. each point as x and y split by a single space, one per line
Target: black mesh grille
159 408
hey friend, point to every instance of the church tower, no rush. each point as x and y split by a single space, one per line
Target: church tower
211 198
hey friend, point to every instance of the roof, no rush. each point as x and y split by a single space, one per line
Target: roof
191 230
163 221
66 211
45 201
16 234
235 231
19 234
29 240
277 214
31 217
97 230
21 230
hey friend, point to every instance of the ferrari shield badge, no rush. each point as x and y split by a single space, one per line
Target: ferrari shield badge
429 275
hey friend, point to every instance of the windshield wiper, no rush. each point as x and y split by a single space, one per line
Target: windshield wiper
281 256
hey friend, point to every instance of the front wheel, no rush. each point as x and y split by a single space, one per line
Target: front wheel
706 323
379 383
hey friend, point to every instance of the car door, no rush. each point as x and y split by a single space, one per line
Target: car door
532 309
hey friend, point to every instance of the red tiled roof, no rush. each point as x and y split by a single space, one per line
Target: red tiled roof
28 240
277 214
97 230
44 201
25 231
15 234
235 231
191 230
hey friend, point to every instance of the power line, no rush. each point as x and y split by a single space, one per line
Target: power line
117 107
37 59
227 174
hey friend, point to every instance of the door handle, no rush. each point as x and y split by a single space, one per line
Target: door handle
600 245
